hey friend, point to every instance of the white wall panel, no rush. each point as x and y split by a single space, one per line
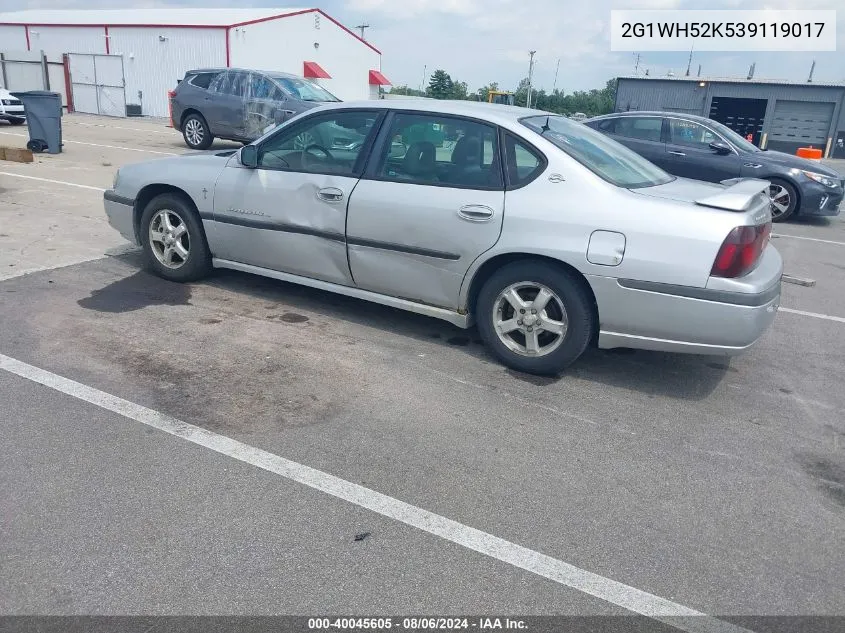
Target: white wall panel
153 65
284 44
55 40
12 38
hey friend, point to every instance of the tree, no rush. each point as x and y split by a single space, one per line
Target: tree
406 90
441 85
460 90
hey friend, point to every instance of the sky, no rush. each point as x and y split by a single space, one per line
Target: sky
482 41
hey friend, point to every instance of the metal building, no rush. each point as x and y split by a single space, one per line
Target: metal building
119 59
780 115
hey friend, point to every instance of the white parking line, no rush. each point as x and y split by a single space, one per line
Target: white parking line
116 127
128 149
809 239
50 180
815 315
630 598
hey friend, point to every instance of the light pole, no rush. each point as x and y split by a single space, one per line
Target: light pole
530 77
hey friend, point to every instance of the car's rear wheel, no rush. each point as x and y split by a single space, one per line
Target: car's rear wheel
173 239
784 199
196 132
535 317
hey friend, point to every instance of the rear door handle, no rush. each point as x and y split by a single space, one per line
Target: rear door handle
674 153
475 213
330 194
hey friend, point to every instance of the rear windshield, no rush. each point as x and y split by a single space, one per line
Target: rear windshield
304 90
602 155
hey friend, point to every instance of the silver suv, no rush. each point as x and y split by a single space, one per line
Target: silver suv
240 105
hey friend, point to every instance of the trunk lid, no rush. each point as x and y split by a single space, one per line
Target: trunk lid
749 195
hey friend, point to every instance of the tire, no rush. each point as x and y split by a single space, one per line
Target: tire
785 188
196 132
567 292
197 263
17 121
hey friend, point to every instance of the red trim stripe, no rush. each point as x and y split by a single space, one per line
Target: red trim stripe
68 85
206 26
108 48
26 28
228 51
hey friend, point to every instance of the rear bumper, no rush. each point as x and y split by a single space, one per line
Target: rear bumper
688 320
120 212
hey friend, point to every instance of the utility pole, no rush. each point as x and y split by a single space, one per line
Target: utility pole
636 64
530 77
689 62
554 86
362 27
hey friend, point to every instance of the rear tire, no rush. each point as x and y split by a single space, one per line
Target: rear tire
173 239
784 198
196 132
544 341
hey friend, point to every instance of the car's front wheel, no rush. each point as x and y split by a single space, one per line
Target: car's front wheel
535 317
784 199
196 132
173 239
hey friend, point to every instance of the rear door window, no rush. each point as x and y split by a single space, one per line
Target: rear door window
238 86
640 128
202 80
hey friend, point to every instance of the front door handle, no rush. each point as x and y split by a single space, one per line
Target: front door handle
475 213
674 153
330 194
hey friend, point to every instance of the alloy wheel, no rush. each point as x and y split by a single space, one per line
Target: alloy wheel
530 319
780 200
170 241
194 132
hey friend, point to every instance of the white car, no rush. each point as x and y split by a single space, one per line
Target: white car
11 108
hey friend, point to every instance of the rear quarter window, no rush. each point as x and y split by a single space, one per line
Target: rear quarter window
202 80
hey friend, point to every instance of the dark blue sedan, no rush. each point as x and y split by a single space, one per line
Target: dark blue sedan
695 147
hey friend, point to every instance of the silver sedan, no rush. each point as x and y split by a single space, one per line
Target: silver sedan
546 234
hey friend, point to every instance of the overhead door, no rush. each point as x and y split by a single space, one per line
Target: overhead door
801 123
97 84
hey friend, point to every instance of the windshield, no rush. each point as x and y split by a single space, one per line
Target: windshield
600 154
305 90
734 138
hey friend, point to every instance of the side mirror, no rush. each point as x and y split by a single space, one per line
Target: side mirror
720 148
249 156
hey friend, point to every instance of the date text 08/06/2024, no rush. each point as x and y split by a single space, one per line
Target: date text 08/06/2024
417 624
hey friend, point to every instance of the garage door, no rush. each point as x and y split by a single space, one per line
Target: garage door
801 122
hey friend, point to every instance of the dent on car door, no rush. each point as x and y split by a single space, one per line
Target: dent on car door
289 213
431 202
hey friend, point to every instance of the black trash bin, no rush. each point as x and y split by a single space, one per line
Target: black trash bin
43 110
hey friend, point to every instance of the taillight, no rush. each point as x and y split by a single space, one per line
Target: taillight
741 250
170 95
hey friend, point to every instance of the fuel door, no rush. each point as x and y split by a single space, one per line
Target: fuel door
606 248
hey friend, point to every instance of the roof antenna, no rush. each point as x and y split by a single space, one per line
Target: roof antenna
546 127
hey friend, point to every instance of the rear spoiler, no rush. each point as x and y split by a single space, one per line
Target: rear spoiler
740 194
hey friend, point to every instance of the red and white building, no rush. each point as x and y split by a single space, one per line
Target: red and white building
158 45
